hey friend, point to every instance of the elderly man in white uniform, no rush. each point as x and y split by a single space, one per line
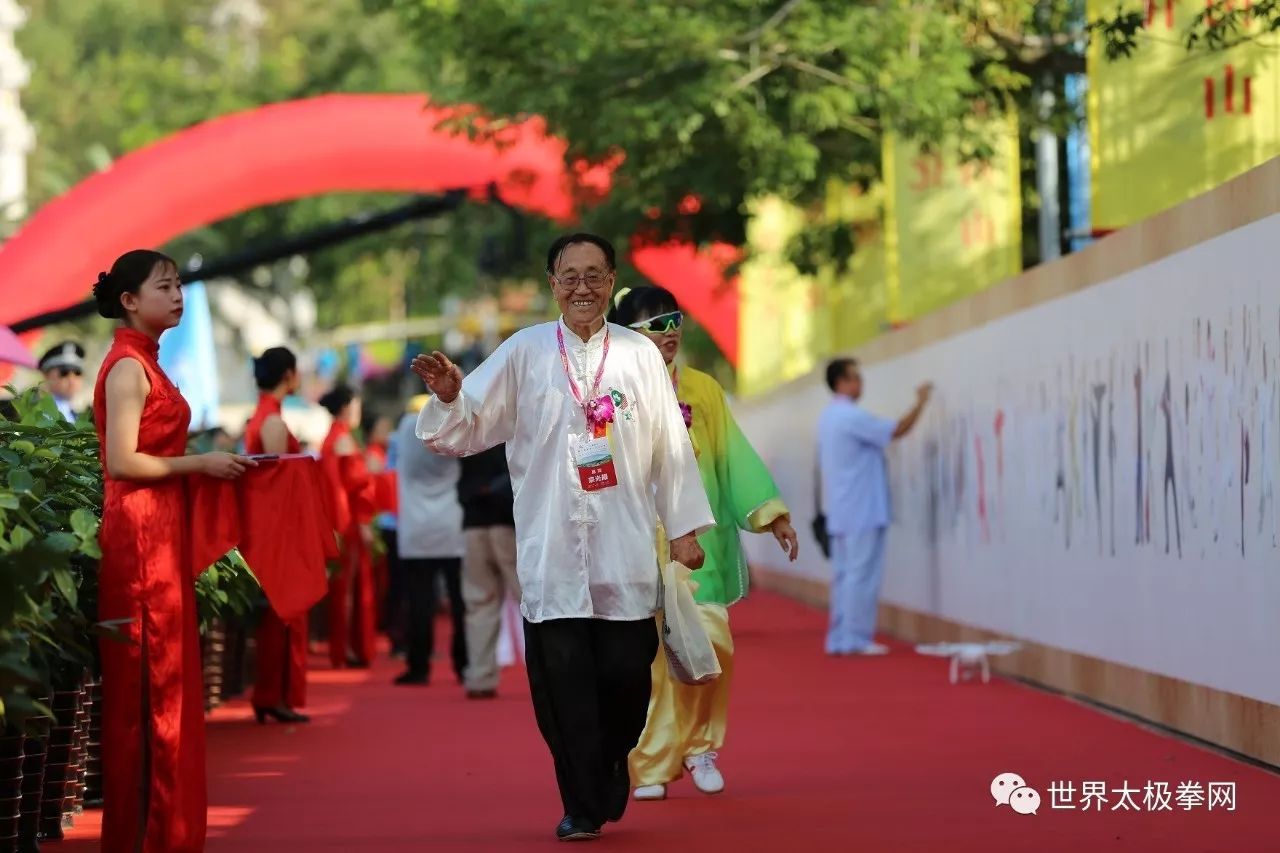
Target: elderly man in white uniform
597 449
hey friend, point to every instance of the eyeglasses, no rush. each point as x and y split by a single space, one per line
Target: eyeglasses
593 280
663 324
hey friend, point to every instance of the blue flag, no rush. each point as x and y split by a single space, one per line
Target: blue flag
187 354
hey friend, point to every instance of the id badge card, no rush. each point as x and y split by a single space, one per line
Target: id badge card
594 462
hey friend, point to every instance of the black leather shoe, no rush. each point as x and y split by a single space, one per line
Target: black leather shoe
577 829
280 714
619 792
412 677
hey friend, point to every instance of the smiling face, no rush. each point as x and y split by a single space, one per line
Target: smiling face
665 330
582 284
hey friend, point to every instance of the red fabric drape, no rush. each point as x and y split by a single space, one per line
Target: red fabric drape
277 516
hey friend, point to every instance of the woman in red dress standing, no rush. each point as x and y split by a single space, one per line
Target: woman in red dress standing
351 607
153 693
378 432
281 686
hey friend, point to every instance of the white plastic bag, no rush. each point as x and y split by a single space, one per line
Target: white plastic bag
690 655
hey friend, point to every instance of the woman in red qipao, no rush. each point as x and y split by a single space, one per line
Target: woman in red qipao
378 432
281 686
153 694
351 608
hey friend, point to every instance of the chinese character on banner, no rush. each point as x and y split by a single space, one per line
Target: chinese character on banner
1170 123
1096 791
1222 795
1190 795
1157 797
1126 796
969 217
1062 795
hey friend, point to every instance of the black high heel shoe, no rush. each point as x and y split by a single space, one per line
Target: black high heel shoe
280 715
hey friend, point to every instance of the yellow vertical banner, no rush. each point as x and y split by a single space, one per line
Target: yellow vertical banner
1167 124
952 227
789 321
780 310
857 298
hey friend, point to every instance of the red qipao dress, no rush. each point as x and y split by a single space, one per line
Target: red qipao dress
282 644
153 697
384 503
351 589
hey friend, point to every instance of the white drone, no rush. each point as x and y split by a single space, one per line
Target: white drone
966 657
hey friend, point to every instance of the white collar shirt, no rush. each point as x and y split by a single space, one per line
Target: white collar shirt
579 553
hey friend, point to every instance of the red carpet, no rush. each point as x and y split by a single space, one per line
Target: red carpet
857 754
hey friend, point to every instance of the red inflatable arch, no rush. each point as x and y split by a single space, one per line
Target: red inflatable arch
698 280
281 152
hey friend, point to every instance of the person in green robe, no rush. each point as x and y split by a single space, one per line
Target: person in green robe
686 725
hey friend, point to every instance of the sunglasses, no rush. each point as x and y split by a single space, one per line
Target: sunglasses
663 324
64 372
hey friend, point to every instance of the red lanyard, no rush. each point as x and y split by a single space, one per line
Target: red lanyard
573 386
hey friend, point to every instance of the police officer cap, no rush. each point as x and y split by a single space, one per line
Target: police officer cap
67 355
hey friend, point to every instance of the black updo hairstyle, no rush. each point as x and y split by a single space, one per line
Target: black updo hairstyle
337 399
270 368
127 275
647 301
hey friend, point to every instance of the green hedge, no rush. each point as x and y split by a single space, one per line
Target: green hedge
50 507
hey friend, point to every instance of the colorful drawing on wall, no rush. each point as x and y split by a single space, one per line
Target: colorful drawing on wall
1167 124
1190 417
1101 460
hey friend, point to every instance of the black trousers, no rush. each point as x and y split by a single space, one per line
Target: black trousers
590 684
421 578
396 607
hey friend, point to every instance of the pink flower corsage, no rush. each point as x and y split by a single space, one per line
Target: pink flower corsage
687 411
600 411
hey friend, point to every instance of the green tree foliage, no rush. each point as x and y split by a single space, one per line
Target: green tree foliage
1221 25
110 76
51 495
735 99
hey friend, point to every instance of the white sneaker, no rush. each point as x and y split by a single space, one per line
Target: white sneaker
871 650
706 777
651 792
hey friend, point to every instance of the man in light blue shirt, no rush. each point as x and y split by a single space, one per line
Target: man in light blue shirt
855 498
